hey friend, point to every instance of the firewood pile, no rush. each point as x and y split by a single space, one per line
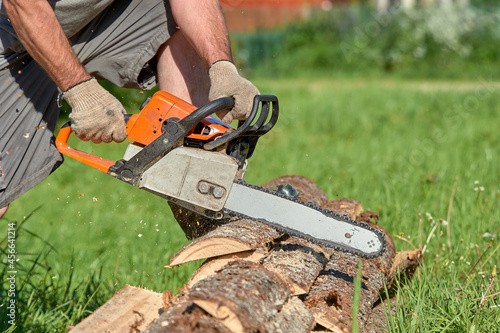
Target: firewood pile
258 280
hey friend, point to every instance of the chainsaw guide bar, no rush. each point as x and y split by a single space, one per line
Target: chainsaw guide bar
375 244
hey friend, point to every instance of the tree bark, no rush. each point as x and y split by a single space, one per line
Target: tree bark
242 297
298 262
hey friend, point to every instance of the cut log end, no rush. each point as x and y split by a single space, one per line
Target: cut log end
211 266
131 309
222 313
234 237
208 248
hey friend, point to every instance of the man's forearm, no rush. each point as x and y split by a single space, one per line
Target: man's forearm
41 34
202 23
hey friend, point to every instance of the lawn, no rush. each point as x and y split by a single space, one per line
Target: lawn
425 155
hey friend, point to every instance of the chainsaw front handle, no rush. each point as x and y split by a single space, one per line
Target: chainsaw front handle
96 162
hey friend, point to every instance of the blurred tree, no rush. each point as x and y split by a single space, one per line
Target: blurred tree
384 5
485 3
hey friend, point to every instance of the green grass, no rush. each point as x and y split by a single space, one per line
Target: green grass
396 146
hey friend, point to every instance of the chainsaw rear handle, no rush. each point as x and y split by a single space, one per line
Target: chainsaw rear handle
259 128
182 128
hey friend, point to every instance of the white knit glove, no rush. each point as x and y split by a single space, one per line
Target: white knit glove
96 114
226 82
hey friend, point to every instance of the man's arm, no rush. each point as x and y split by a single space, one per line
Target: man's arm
41 34
203 24
204 27
96 115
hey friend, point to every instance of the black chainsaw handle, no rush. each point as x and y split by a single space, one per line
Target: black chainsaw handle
267 103
206 110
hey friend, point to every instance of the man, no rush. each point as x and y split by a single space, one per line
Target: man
57 48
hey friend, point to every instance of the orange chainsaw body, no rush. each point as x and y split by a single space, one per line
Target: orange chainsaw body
146 126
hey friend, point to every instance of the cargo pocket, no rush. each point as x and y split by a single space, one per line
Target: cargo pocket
3 183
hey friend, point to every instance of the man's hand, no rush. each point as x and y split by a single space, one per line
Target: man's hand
96 114
226 82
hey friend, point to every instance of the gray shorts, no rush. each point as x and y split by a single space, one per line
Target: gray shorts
116 46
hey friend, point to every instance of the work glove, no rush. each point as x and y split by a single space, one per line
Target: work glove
96 114
226 82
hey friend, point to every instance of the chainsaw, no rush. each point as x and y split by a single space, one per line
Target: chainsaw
187 156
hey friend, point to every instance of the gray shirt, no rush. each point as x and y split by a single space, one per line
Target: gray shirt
73 15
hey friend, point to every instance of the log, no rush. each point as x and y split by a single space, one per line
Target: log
254 274
237 236
215 298
212 265
243 297
349 207
298 262
193 224
308 191
131 309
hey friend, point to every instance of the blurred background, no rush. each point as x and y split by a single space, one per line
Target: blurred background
410 38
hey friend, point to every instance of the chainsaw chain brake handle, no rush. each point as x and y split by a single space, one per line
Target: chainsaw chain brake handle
173 130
